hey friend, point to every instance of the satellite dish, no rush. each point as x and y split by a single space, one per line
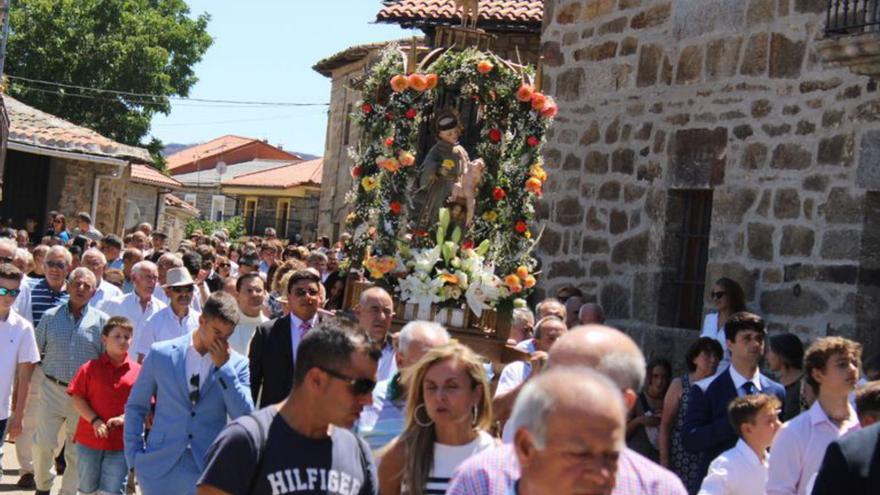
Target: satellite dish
221 168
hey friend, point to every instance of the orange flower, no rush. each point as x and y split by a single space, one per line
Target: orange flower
550 109
511 280
449 278
533 185
399 83
431 81
524 93
417 82
522 272
529 281
389 164
538 101
406 158
484 66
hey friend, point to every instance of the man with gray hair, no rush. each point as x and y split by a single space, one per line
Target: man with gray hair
67 337
565 410
94 260
615 355
521 325
383 420
591 314
139 305
375 313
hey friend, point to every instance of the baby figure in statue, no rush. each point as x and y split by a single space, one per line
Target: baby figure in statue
465 190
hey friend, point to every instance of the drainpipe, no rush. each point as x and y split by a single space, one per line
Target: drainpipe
97 187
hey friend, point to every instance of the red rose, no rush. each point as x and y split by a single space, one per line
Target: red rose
494 135
532 141
467 244
355 171
389 142
498 194
367 108
520 226
389 115
395 207
411 113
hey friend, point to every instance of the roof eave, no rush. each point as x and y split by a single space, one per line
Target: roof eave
488 25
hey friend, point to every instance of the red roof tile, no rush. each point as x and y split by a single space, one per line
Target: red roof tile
212 147
145 174
174 201
295 174
504 12
31 127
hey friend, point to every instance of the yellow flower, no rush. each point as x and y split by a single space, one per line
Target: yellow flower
538 172
369 183
448 164
449 278
490 216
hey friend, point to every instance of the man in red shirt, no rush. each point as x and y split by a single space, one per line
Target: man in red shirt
99 392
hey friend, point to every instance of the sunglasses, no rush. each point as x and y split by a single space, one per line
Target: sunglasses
358 386
299 292
224 265
9 292
194 394
182 288
718 295
6 259
60 265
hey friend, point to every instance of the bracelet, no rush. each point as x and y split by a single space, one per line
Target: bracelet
95 420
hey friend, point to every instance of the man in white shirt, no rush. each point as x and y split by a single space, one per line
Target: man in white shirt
139 305
175 320
94 260
130 257
251 296
831 369
375 312
742 470
18 358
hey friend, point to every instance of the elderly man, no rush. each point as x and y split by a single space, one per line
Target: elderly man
318 261
565 410
615 355
94 260
591 314
130 257
572 305
375 312
7 250
521 326
250 292
514 375
67 337
383 420
140 305
173 321
139 241
49 292
550 306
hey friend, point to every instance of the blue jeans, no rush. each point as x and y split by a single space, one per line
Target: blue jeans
103 470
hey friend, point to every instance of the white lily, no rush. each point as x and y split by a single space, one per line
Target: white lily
482 289
426 259
414 289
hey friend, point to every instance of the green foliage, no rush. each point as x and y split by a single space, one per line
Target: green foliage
234 225
137 46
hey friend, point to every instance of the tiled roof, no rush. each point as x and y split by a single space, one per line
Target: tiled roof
212 147
295 174
32 127
145 174
511 13
353 54
174 201
209 177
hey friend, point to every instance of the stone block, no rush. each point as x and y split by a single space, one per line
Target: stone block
612 132
659 141
690 65
838 274
825 85
650 56
553 56
568 84
843 207
759 12
596 8
816 183
618 222
799 272
594 245
644 132
615 26
791 110
666 71
746 277
836 150
797 241
623 161
594 220
632 192
810 6
840 245
763 208
760 241
805 127
599 269
567 268
723 58
628 46
772 276
630 4
868 171
591 135
572 162
743 131
569 211
569 14
832 118
698 157
776 130
792 302
651 17
790 156
761 108
756 55
632 251
551 240
786 203
786 56
614 299
729 206
692 19
596 163
610 191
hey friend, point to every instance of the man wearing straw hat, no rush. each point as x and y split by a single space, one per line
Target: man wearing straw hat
177 319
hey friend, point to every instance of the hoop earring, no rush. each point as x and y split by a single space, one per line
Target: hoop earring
475 413
427 424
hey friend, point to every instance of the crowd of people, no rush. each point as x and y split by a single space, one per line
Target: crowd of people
230 366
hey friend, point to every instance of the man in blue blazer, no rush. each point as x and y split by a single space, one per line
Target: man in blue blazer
707 429
198 382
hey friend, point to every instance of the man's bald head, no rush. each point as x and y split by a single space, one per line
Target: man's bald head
605 349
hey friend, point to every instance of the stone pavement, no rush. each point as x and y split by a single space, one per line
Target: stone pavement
10 473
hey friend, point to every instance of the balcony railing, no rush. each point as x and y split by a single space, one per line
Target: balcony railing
852 17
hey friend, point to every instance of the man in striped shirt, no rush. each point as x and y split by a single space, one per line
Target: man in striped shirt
48 292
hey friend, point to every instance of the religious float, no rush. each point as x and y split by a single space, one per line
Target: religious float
446 177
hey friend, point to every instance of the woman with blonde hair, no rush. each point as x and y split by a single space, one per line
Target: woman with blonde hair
448 411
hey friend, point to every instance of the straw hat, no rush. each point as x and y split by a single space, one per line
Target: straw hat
178 277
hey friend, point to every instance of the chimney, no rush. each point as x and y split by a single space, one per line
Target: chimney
280 146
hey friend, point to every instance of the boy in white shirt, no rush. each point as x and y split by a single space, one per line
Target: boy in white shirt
742 470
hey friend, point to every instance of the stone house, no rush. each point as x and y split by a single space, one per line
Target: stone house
514 27
148 201
52 164
284 197
176 215
704 139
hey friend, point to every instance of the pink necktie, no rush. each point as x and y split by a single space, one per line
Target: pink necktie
305 327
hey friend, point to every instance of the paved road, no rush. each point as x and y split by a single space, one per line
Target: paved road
10 473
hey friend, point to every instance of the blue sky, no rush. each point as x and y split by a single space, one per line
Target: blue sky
264 50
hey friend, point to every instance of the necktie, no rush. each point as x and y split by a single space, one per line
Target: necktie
305 327
749 388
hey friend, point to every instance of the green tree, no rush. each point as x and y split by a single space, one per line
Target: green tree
135 46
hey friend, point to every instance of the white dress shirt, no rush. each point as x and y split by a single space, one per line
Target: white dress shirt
297 332
739 381
195 304
197 364
799 448
737 471
129 306
165 325
387 363
105 292
247 325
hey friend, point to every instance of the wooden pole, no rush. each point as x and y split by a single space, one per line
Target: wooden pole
539 73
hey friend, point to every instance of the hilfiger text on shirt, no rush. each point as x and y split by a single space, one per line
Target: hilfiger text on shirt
310 479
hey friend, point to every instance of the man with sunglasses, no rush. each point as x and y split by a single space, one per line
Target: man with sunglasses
275 342
303 444
173 321
198 383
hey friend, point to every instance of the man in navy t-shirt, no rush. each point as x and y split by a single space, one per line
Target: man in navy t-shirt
302 445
